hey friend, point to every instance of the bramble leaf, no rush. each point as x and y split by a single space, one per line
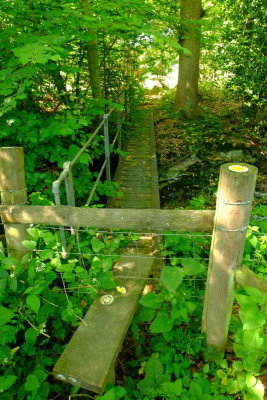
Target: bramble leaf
33 302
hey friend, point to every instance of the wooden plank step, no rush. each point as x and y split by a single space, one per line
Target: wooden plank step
88 360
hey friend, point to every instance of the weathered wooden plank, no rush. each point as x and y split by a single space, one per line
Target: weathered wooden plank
88 360
146 220
245 277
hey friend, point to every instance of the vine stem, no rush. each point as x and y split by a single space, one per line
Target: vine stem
35 328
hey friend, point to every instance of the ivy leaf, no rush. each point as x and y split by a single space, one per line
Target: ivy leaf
97 245
171 277
161 323
33 302
6 382
5 315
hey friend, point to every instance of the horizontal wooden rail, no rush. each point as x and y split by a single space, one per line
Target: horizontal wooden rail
144 220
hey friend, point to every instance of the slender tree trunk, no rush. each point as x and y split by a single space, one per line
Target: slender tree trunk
93 66
186 97
59 82
92 55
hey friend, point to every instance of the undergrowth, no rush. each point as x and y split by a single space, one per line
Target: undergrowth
44 297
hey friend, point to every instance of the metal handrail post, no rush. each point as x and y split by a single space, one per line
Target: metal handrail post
119 130
69 184
56 192
69 188
106 143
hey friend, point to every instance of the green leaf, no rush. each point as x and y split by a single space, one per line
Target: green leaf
192 267
29 244
154 369
6 315
146 315
161 323
171 277
13 283
238 366
31 336
115 393
221 374
97 245
6 382
34 233
8 334
46 254
173 388
196 391
147 387
32 384
257 391
33 302
151 300
106 263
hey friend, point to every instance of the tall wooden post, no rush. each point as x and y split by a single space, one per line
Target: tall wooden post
234 202
13 192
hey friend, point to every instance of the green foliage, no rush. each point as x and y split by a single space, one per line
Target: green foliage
42 299
235 53
46 103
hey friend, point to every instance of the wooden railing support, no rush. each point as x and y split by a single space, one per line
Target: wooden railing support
234 202
13 192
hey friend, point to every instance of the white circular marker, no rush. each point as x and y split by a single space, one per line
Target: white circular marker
238 168
106 299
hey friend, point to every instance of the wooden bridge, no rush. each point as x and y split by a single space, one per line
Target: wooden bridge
90 357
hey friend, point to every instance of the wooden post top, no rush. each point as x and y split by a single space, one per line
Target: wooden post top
239 169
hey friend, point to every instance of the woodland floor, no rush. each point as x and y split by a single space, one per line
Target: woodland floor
227 134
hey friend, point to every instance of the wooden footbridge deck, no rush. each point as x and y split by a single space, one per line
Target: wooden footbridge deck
137 171
90 357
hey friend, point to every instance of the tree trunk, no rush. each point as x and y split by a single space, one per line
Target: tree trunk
93 66
92 55
186 97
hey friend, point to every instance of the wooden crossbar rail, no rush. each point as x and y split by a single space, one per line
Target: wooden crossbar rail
140 220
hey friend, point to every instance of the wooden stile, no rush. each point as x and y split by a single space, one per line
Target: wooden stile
234 202
13 191
138 220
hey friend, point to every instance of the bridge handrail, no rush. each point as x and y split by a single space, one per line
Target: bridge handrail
66 174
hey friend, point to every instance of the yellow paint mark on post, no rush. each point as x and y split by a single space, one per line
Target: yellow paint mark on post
121 289
238 168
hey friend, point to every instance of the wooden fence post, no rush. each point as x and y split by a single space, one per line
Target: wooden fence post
13 192
234 202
